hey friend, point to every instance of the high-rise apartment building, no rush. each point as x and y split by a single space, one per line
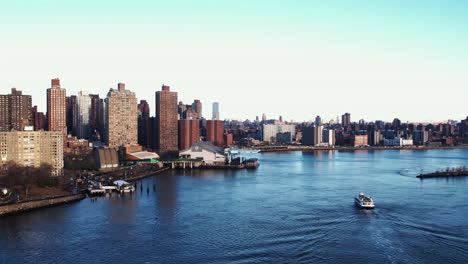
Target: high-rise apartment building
197 108
94 115
318 134
312 136
181 108
308 136
83 115
190 111
143 124
15 111
102 120
269 132
215 132
56 108
166 122
38 119
121 117
70 108
420 137
31 148
463 128
189 133
328 137
346 120
215 111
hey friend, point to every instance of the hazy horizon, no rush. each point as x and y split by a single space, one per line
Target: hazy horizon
297 59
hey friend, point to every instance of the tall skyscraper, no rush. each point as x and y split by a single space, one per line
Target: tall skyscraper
121 117
102 121
346 120
15 111
56 108
189 133
94 125
70 107
143 123
83 115
215 111
215 132
166 122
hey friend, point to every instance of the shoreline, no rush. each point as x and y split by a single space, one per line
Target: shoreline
21 207
25 206
135 178
303 148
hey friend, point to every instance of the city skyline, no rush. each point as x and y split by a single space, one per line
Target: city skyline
332 60
325 118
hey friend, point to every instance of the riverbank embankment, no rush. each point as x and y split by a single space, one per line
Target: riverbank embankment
14 208
130 179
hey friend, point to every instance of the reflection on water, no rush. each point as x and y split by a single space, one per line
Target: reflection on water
122 209
166 189
295 208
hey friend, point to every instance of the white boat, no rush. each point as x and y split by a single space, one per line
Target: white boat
364 202
124 187
96 189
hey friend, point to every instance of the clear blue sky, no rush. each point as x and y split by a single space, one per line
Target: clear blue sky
295 58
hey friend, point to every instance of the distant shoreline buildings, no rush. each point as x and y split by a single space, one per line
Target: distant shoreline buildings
86 121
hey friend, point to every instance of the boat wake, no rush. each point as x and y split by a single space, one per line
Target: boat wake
410 172
390 248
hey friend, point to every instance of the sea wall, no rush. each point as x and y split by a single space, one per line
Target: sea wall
14 208
146 175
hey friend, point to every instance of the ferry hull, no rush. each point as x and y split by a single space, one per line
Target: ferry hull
361 206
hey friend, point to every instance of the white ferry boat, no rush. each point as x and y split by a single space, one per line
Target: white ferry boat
364 202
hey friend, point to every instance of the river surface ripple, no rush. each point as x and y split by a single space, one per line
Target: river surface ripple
295 208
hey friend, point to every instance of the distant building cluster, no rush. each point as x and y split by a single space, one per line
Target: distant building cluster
347 133
119 124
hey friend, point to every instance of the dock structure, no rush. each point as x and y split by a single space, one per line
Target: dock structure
93 192
182 163
443 174
200 164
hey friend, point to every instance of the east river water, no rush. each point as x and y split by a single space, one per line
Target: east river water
295 208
